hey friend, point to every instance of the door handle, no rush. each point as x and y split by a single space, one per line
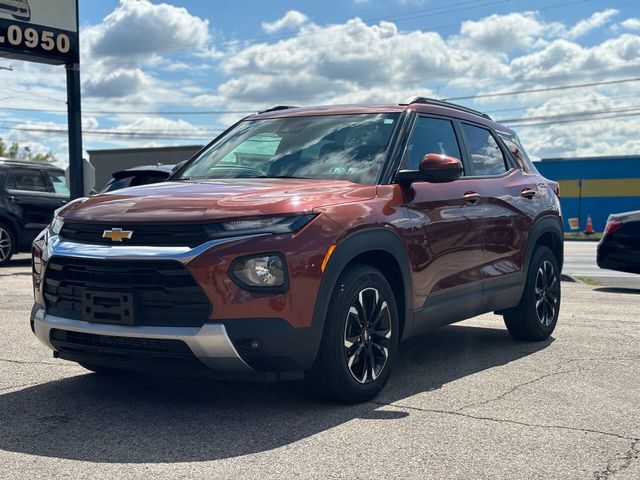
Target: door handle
528 193
471 198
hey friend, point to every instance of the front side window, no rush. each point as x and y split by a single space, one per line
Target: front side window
338 147
430 135
486 156
27 179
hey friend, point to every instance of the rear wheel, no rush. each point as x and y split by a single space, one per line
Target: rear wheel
7 244
360 338
536 315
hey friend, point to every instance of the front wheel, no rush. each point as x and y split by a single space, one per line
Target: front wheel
536 315
360 338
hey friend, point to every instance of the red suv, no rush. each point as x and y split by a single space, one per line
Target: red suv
306 241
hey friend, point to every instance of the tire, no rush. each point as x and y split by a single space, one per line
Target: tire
7 244
536 315
102 370
354 364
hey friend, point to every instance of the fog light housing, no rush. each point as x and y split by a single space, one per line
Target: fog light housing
265 272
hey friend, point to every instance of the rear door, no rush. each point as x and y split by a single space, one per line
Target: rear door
510 198
447 267
29 189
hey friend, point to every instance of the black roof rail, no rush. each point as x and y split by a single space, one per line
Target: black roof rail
275 108
444 103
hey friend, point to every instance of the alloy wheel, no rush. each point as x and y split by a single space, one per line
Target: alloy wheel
367 336
546 292
5 244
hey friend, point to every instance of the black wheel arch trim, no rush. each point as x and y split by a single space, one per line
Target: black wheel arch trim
546 224
355 244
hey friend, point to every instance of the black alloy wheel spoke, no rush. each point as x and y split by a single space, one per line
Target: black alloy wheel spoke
367 336
546 293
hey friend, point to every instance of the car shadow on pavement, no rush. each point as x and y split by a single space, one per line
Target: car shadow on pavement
20 262
135 419
618 290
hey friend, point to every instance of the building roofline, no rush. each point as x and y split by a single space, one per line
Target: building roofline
148 149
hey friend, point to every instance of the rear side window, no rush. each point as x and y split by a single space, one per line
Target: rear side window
59 183
430 135
486 156
27 179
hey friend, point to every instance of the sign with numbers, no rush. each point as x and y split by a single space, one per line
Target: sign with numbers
39 30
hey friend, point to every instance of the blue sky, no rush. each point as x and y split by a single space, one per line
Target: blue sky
213 60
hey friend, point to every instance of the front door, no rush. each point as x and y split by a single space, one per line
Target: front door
448 265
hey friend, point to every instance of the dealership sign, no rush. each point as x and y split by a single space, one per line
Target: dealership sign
39 30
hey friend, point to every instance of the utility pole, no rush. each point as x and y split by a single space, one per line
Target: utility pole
74 119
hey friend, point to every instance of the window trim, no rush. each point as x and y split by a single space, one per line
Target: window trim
411 128
508 161
44 179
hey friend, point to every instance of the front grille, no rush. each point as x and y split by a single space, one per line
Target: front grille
164 293
124 352
178 235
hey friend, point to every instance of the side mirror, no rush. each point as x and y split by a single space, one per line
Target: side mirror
433 168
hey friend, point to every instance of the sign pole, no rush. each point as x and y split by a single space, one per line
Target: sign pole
74 117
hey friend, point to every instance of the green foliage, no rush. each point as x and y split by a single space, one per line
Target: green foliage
14 152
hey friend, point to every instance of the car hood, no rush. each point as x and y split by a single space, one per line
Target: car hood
211 200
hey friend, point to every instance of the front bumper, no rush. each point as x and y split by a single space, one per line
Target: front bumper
210 343
270 336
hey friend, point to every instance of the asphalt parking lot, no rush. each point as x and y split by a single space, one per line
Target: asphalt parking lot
466 401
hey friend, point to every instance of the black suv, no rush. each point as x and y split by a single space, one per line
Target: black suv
29 194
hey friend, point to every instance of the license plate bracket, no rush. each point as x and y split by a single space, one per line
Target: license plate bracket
108 307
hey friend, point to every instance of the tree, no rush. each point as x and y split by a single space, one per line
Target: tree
14 152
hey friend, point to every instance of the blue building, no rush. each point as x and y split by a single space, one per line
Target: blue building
596 186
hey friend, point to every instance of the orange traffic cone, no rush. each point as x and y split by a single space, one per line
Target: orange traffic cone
588 230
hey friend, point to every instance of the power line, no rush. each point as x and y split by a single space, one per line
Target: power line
456 7
298 34
130 134
544 89
579 102
590 113
631 110
224 112
576 120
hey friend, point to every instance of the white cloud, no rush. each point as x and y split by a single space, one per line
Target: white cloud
595 21
631 23
118 83
291 20
141 27
503 33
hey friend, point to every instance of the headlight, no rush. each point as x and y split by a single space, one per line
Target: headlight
260 272
56 225
274 225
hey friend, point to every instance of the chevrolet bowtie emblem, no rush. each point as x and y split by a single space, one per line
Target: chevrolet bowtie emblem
117 234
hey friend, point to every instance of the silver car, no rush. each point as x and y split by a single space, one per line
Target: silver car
18 9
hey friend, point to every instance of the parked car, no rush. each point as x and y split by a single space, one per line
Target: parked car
29 194
136 176
18 9
619 247
306 241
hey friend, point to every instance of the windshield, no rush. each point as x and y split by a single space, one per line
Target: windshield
338 147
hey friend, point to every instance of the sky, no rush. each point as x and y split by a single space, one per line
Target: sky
178 72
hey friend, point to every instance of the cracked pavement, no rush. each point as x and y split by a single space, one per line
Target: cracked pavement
465 401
